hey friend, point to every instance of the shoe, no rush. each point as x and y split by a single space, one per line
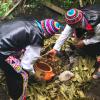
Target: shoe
97 74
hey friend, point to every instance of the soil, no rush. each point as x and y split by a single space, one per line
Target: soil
94 91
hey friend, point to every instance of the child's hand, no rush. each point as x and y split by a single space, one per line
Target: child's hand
80 44
98 59
51 55
52 52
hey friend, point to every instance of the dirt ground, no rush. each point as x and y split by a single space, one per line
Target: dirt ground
94 91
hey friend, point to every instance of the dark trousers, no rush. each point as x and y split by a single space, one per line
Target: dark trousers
92 50
13 79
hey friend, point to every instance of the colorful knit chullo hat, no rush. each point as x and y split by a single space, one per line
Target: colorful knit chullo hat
50 26
73 16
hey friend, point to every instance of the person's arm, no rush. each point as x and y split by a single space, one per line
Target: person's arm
95 38
64 35
29 58
92 40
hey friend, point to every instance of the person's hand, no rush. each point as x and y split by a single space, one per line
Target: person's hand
52 52
80 44
51 55
98 59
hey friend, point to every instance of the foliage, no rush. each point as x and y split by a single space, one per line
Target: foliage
61 3
66 4
74 89
5 6
89 2
33 3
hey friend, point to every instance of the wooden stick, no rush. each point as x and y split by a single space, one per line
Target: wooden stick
54 7
81 3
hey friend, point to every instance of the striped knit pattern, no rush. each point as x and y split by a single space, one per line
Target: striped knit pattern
50 26
73 16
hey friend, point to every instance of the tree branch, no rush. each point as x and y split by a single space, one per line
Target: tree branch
53 7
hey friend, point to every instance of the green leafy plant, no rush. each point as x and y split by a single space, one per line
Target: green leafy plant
5 6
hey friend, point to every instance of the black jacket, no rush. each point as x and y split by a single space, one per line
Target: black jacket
93 17
17 34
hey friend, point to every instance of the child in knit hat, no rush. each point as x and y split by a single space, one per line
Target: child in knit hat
84 25
16 35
